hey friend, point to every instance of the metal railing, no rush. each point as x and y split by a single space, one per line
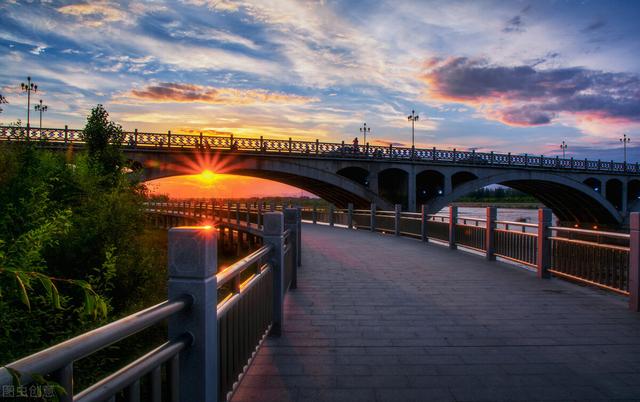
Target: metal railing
592 257
217 317
167 141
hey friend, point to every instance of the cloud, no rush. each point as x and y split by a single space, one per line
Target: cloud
515 24
523 95
168 92
94 14
595 25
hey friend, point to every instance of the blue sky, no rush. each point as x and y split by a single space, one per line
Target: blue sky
493 75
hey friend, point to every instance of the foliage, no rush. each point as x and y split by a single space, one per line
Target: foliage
498 194
103 137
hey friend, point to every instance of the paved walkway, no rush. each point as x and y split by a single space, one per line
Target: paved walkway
380 318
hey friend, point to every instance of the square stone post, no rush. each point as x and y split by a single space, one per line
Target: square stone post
314 215
192 260
373 217
259 219
396 220
331 207
634 262
273 234
291 216
238 213
489 234
424 217
350 215
544 244
229 211
453 222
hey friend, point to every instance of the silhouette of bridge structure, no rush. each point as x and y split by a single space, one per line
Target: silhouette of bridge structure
577 190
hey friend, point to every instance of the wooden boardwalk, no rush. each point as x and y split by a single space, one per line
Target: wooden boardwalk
380 318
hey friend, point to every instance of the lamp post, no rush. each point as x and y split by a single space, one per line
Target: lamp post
3 100
364 130
563 147
624 140
413 118
41 108
28 87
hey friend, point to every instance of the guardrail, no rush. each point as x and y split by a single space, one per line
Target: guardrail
216 318
607 260
167 141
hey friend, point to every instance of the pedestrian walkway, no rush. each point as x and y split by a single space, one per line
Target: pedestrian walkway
383 318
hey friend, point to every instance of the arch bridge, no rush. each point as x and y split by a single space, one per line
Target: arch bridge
577 190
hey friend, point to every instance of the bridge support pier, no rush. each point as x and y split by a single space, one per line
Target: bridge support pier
411 188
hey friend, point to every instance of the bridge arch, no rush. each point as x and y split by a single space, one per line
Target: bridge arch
429 184
613 193
358 174
569 199
328 185
461 177
594 183
393 185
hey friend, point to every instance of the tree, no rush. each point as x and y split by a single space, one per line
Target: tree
103 138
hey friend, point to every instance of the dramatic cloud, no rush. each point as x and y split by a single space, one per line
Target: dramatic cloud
94 14
188 93
523 95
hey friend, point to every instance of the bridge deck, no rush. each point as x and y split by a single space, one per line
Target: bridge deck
380 318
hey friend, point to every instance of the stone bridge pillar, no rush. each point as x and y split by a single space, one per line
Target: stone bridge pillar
411 190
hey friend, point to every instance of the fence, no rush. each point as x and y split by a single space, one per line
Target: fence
607 260
216 318
167 141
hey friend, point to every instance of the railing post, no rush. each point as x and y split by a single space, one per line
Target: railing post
453 221
238 213
291 217
314 215
290 142
424 216
350 215
373 217
273 235
489 239
169 139
135 137
317 146
396 220
544 243
634 262
331 208
66 133
192 265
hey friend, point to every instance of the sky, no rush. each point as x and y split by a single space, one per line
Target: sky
518 76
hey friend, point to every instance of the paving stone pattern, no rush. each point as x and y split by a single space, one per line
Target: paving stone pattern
383 318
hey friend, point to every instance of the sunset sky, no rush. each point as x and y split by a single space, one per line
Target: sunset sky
492 75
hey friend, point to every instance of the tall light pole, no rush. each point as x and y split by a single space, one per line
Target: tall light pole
364 130
41 108
28 87
3 100
563 147
413 118
624 140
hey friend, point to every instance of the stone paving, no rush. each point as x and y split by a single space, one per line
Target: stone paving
381 318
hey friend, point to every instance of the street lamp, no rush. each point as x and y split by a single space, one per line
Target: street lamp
624 140
563 147
2 100
41 108
364 130
413 118
28 87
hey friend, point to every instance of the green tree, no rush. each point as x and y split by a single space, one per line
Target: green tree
103 138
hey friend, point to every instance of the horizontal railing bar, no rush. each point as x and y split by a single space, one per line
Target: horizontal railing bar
224 307
514 223
591 232
590 243
468 218
506 257
516 232
588 282
132 372
237 267
51 359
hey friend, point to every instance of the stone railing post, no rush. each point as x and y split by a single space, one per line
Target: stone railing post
273 234
489 234
453 222
396 220
424 217
192 265
350 215
291 218
259 219
544 244
634 262
228 211
373 217
331 208
314 215
237 213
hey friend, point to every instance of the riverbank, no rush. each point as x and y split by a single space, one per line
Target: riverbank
510 205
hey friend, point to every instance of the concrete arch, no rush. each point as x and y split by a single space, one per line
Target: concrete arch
393 185
461 177
594 183
613 193
356 173
429 184
328 185
570 200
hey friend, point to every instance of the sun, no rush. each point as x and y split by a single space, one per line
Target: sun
207 177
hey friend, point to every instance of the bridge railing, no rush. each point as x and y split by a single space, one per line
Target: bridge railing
167 141
603 259
216 317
